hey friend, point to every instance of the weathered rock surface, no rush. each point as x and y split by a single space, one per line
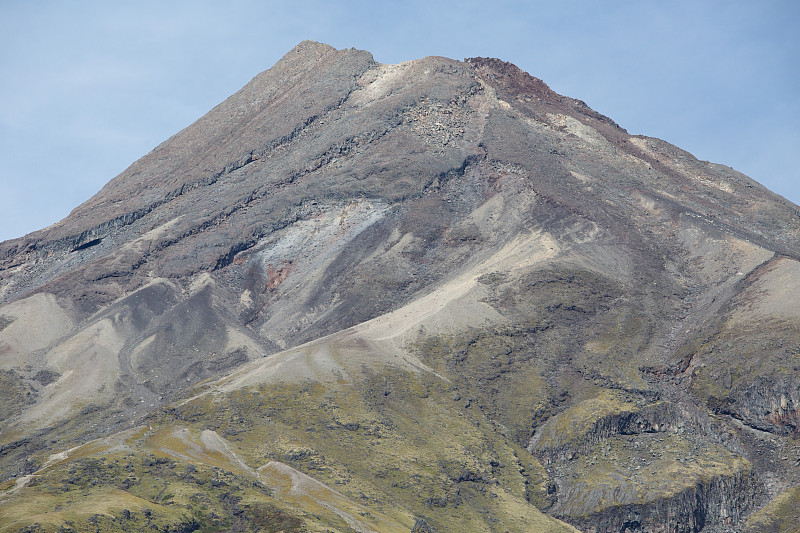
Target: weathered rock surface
433 296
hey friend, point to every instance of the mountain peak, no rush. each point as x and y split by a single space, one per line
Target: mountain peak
454 295
512 77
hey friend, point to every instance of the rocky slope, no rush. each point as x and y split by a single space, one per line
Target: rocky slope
433 296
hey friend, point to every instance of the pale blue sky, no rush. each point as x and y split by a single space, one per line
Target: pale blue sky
89 87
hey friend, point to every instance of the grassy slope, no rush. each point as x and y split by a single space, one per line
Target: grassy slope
388 449
781 515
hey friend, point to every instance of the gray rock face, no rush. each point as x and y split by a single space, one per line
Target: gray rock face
626 313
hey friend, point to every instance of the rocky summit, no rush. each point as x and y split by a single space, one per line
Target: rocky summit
433 297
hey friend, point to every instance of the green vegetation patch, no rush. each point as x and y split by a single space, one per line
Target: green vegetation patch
143 492
389 447
520 374
396 443
641 469
735 356
498 371
578 424
781 515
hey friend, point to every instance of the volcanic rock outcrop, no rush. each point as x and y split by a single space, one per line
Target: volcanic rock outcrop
433 296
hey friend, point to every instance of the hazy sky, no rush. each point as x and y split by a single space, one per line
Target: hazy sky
86 88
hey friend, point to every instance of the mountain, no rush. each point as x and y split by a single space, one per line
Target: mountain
433 296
